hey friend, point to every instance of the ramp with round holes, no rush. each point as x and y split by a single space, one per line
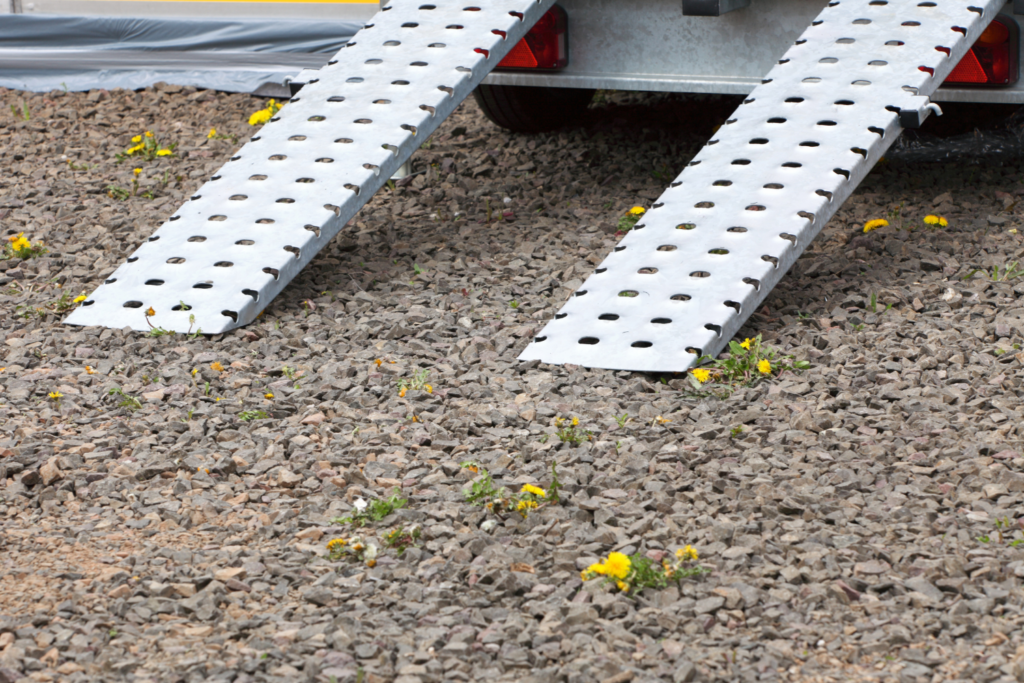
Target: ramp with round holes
224 255
726 230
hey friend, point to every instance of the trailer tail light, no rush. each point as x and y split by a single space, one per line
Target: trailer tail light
993 58
544 47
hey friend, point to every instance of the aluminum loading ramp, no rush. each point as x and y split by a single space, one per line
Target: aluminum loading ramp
717 241
253 226
680 284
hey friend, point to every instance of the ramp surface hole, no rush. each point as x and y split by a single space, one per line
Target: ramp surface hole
294 250
680 297
736 229
714 328
641 345
700 273
223 264
771 259
667 247
759 141
312 228
181 307
590 341
231 314
787 236
722 183
718 252
253 293
741 162
776 119
608 316
629 293
265 221
756 284
219 217
155 283
686 226
827 60
647 271
176 260
258 176
755 207
298 138
661 321
278 157
792 164
272 271
695 351
245 243
704 205
733 305
132 304
773 186
207 284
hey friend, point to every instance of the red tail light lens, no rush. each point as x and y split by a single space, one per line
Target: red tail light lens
993 58
544 47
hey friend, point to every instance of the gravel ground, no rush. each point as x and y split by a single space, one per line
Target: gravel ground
850 515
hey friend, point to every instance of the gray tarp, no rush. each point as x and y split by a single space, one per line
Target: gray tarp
45 52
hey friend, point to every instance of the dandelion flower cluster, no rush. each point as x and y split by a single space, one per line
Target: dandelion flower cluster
18 242
764 367
746 343
264 115
80 298
936 220
215 365
687 553
875 224
616 566
212 134
637 211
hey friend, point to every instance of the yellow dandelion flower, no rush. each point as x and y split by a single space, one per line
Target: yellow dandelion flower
80 298
150 312
746 343
215 365
943 222
427 388
268 395
535 490
597 568
401 392
137 171
55 395
637 211
262 116
15 238
575 422
148 134
89 370
20 244
357 547
623 586
931 220
212 134
164 153
378 362
875 224
764 367
194 371
618 565
137 139
583 576
336 544
702 375
371 563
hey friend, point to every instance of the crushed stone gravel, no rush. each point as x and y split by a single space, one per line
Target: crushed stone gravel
859 517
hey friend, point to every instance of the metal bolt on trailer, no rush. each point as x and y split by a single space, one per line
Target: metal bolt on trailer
680 284
685 279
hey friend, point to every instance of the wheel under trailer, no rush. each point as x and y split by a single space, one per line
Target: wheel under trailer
677 286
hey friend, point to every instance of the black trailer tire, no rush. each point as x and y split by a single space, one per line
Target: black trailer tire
530 109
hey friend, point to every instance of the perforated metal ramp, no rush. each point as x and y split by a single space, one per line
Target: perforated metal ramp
255 224
716 242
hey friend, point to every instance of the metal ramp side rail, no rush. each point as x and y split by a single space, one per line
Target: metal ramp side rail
726 230
253 226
